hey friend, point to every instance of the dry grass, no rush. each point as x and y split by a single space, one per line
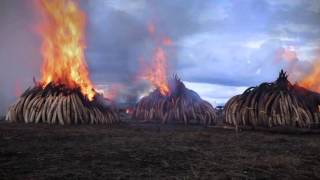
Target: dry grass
132 151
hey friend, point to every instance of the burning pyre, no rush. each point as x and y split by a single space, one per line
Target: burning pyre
274 104
65 94
169 102
60 105
179 104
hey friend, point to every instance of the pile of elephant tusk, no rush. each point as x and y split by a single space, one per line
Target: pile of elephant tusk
59 105
181 106
274 105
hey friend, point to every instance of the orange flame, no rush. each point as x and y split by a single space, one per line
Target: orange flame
312 81
158 72
62 31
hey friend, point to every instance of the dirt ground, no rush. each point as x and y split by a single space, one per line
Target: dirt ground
133 151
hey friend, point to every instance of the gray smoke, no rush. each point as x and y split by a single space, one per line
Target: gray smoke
19 50
118 38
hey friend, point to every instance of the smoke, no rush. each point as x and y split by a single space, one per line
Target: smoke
118 39
19 51
296 68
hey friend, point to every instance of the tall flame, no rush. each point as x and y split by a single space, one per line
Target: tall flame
157 73
62 31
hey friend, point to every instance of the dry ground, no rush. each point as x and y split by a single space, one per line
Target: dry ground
132 151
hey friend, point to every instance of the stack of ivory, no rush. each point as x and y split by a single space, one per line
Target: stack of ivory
277 104
60 105
181 105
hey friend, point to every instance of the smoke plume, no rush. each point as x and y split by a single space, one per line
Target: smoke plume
19 51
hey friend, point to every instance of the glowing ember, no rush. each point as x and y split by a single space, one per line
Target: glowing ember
63 31
129 111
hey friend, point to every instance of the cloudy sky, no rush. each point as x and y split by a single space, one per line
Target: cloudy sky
220 47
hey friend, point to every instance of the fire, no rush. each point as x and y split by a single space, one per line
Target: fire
312 81
129 111
157 72
63 43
